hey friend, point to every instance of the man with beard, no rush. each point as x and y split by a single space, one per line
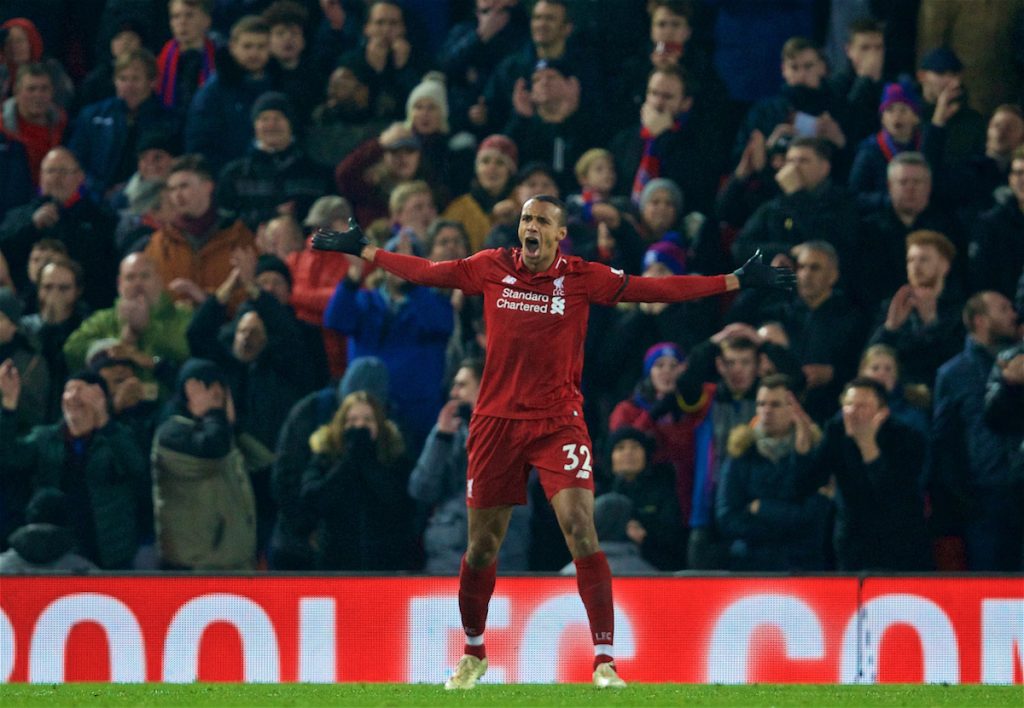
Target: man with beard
921 321
969 460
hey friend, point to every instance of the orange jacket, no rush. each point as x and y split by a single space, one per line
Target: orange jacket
209 266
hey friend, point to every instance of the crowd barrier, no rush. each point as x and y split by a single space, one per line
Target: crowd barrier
322 629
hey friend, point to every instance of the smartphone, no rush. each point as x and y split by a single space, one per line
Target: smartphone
464 411
805 124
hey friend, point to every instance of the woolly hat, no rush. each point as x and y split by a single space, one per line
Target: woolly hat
202 370
158 140
431 87
612 512
47 506
659 350
668 254
669 186
900 93
503 144
97 356
274 101
627 433
268 262
93 379
366 373
10 305
942 60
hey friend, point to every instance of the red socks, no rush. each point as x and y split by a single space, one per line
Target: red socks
594 580
475 589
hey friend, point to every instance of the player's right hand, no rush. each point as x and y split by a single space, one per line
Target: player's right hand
350 241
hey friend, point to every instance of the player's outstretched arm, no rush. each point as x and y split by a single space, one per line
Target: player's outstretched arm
351 241
755 273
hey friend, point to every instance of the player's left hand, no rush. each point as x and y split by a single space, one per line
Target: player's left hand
756 274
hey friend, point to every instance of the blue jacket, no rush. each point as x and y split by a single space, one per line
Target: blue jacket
964 449
410 339
100 136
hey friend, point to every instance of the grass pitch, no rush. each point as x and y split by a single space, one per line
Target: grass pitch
365 694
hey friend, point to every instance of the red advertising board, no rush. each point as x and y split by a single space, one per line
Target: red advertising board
689 630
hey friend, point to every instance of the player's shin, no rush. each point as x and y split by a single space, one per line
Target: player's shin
475 589
594 580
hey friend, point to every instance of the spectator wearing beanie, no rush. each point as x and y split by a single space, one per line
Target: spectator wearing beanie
275 176
496 162
426 115
203 500
45 543
901 131
90 458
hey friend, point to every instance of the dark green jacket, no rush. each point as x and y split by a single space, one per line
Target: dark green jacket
117 478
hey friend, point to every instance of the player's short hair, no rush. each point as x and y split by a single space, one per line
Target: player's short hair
868 384
927 237
562 219
1010 108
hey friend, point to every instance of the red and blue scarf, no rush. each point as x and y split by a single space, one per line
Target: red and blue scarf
650 161
890 148
167 68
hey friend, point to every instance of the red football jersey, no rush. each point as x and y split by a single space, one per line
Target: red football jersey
537 322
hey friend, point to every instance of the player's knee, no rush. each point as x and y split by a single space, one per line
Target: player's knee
482 551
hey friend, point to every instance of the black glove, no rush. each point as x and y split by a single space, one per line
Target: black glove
755 274
350 241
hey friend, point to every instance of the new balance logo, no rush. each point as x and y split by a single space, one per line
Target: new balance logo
509 280
558 306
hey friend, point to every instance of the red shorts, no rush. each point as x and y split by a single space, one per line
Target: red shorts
502 450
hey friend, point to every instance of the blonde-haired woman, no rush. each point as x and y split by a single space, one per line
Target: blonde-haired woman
355 486
910 404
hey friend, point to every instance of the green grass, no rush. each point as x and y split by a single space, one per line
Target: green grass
365 694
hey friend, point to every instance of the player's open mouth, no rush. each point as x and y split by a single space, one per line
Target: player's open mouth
531 245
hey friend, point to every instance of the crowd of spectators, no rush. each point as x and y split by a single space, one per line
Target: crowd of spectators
187 385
